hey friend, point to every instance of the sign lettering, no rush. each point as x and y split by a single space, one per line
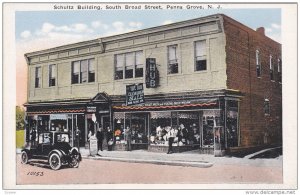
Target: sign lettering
135 94
152 74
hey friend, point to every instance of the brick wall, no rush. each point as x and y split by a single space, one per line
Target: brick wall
241 45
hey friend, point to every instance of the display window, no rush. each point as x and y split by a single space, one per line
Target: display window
185 124
232 123
211 120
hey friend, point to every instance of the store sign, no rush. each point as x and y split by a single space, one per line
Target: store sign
135 94
91 109
152 75
58 117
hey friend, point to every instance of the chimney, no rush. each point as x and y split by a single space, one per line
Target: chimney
261 30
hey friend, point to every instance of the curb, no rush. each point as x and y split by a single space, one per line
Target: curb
201 164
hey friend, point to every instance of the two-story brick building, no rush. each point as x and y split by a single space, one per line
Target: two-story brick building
217 82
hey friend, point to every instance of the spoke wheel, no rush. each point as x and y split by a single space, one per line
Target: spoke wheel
24 157
54 161
74 162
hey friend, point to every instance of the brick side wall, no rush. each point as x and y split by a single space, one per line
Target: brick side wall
241 45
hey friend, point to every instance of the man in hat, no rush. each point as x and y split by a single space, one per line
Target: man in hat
100 138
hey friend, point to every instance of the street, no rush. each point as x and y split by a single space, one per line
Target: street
93 171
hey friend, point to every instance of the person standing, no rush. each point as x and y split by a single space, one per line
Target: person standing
77 137
33 136
100 137
171 137
128 138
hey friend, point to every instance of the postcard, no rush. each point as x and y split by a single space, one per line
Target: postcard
143 95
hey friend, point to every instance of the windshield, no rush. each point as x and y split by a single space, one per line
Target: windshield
62 137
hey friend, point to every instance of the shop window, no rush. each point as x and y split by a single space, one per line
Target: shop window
185 124
52 75
231 123
271 68
279 70
208 131
258 64
83 71
129 65
38 77
172 59
267 107
200 56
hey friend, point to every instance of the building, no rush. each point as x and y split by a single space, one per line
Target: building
213 77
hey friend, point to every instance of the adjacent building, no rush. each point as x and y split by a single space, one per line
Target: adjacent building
213 79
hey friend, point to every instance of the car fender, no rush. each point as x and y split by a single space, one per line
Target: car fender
74 149
59 152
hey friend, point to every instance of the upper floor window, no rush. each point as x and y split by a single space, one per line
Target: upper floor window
52 75
271 68
129 65
258 64
83 71
38 77
267 107
279 70
200 55
172 59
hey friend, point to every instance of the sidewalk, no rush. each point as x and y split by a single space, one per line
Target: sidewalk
190 159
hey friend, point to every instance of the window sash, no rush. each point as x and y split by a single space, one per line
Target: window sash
127 64
172 50
200 47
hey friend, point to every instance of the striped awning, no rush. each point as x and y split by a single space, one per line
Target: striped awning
164 107
57 111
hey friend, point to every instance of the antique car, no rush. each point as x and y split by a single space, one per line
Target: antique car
54 147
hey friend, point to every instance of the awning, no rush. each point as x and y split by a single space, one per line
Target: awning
56 111
164 107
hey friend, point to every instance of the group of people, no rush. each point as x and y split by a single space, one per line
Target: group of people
100 135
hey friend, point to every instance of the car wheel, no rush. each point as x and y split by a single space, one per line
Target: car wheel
24 157
54 161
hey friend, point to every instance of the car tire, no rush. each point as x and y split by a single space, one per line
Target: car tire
55 161
74 163
24 157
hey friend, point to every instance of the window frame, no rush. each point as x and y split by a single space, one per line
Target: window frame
120 70
52 75
38 80
279 70
272 75
202 56
169 64
258 64
267 111
83 70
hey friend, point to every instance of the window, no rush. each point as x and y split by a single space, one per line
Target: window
172 59
258 64
83 71
267 107
38 77
52 75
129 65
271 68
200 56
279 70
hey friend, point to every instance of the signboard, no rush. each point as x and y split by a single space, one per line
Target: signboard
135 94
152 75
93 146
91 109
58 117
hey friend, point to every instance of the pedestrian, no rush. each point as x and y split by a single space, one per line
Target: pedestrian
77 137
100 138
128 138
33 136
109 138
171 137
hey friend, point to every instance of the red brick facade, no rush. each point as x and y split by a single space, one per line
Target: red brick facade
256 128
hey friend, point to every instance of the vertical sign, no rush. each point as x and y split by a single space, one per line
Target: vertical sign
151 73
135 94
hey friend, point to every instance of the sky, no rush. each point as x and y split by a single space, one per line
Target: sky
36 30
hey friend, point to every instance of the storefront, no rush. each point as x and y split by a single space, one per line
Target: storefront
198 123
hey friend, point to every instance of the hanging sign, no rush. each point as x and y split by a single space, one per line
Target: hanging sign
91 109
135 94
152 75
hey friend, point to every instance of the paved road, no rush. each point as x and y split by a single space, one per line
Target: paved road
111 172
